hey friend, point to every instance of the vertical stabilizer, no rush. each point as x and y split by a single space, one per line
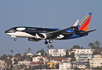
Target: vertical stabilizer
85 21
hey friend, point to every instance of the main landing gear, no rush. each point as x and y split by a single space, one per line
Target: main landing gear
46 42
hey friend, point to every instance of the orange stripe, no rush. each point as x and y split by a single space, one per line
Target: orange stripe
86 28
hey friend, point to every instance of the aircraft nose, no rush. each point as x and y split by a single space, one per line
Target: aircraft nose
7 31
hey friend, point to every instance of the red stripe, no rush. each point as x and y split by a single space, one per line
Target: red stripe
85 24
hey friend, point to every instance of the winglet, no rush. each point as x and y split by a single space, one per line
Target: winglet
76 23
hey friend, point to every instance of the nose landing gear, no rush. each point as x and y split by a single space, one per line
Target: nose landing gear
14 38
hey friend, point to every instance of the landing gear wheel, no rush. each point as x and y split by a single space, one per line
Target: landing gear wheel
46 42
15 39
50 41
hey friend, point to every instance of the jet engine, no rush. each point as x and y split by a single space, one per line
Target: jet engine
33 39
41 36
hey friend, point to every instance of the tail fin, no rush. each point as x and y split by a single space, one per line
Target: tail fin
85 21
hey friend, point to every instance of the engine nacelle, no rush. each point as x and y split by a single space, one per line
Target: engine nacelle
33 39
41 35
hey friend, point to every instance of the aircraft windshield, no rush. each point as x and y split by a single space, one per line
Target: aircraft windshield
12 29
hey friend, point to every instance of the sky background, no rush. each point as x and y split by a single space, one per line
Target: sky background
50 14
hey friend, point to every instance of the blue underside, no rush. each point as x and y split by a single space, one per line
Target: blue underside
69 30
56 28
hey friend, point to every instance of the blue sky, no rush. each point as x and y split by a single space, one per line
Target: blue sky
47 13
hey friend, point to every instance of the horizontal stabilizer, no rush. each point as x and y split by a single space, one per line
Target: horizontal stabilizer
91 30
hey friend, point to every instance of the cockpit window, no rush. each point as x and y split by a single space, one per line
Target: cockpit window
12 30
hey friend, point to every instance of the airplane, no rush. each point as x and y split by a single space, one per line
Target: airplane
79 29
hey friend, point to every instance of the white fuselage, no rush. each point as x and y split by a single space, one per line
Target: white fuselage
20 34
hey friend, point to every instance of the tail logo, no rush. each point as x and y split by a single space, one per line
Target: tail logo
84 23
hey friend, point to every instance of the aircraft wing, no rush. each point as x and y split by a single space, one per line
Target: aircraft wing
59 31
56 32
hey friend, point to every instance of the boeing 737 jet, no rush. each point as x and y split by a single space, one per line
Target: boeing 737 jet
79 29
